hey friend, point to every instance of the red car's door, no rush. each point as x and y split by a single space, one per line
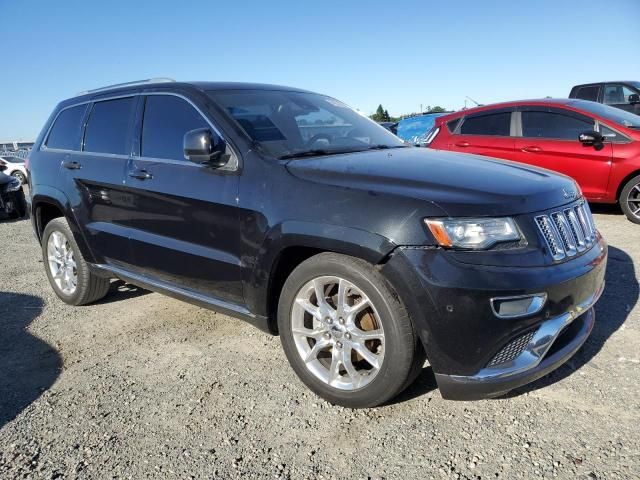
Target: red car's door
485 133
548 138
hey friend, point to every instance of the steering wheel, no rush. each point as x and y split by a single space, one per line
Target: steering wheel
319 136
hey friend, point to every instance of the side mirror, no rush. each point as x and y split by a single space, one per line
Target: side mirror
592 139
634 98
205 147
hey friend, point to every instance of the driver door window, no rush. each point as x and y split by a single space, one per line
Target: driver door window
618 95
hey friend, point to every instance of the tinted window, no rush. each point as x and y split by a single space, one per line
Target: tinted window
166 120
108 126
617 94
554 125
611 135
612 114
588 93
490 124
65 133
453 124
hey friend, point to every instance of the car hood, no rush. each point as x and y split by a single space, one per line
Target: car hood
460 184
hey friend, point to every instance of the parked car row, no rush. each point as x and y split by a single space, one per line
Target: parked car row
290 210
597 145
15 167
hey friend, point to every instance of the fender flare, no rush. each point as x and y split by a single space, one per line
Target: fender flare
57 198
351 241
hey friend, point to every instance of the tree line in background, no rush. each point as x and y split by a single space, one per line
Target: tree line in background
382 115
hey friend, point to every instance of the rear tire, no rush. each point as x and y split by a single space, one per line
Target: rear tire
66 268
630 199
362 378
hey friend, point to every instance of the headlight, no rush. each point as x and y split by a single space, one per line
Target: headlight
13 185
472 233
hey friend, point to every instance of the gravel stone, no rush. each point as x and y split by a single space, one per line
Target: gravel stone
140 385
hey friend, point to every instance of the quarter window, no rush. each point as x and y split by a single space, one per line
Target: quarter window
554 125
166 119
65 133
108 126
588 93
495 124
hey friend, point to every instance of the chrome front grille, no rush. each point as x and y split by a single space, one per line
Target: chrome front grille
567 231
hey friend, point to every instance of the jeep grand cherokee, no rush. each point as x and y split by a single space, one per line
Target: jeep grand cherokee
290 210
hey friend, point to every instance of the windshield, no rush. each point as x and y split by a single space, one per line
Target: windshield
293 124
615 115
414 129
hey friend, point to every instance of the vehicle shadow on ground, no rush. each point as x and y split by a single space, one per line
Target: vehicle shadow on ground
425 383
618 300
28 365
606 209
119 290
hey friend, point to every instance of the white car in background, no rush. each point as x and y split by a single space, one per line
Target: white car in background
14 166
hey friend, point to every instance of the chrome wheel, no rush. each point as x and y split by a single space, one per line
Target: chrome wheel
338 333
633 200
62 264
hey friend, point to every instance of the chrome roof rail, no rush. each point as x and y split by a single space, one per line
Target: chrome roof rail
126 84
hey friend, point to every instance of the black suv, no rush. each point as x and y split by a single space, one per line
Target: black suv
290 210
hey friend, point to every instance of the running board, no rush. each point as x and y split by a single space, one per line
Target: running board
193 297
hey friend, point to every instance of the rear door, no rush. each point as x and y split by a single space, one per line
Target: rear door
95 175
485 133
548 138
185 222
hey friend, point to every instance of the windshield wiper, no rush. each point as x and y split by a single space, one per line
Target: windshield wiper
306 153
317 152
385 147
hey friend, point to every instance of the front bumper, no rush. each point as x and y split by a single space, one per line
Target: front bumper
536 360
450 303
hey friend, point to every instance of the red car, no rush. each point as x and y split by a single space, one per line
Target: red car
597 145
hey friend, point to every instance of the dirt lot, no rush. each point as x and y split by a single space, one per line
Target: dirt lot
142 386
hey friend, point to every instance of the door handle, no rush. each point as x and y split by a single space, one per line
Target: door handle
72 165
141 175
532 149
462 144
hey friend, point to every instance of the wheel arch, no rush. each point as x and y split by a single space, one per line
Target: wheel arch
291 243
624 181
45 206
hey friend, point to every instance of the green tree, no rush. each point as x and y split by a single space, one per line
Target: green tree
378 116
436 109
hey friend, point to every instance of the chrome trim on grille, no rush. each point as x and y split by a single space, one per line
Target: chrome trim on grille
569 231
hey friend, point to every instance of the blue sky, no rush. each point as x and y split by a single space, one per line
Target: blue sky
400 54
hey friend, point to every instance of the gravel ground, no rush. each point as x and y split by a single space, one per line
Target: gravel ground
143 386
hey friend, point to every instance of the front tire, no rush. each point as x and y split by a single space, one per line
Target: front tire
345 332
20 176
630 199
66 268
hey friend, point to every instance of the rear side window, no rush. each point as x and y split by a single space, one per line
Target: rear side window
554 125
495 124
166 120
65 132
588 93
108 126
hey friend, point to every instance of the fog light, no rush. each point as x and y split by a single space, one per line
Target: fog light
520 306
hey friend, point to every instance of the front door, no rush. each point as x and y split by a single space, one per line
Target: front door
549 139
184 224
